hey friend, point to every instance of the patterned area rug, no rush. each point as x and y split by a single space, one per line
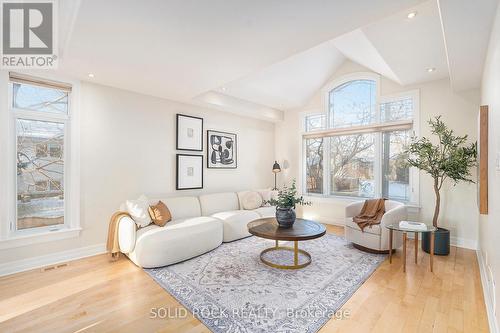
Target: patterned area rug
230 290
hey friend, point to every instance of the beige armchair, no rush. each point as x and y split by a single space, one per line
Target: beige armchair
376 237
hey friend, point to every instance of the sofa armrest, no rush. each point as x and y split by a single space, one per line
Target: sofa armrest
394 216
353 209
126 234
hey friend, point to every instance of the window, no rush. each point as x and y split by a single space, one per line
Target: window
314 165
352 159
315 122
397 110
36 206
395 175
40 99
353 104
41 121
361 137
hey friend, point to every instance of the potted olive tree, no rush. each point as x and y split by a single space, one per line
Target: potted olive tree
285 203
450 159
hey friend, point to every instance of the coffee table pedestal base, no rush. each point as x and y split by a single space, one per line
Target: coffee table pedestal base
295 250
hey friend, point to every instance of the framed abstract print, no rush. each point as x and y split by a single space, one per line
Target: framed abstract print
222 152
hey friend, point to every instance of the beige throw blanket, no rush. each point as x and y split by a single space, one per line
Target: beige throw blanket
370 214
112 245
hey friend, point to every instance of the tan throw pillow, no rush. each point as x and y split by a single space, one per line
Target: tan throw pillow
160 214
252 200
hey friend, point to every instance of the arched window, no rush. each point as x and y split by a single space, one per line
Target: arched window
355 147
353 104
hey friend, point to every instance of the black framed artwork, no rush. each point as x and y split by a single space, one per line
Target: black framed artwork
222 152
189 172
189 131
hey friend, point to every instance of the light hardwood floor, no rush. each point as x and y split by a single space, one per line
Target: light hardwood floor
95 295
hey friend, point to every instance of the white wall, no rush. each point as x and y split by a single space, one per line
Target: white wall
128 149
489 225
459 208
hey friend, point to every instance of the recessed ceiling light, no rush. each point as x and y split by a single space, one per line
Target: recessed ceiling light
91 75
431 69
412 15
223 88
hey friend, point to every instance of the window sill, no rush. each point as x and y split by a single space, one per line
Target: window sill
346 199
36 238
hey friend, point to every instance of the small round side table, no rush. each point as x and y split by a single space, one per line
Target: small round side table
395 227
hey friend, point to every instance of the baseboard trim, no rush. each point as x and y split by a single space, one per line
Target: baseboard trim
490 310
457 242
51 259
463 242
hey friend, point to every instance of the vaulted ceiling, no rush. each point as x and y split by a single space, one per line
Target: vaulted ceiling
265 56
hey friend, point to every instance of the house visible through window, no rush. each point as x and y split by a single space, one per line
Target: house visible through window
41 117
360 152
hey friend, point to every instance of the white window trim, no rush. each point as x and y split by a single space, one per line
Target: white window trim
414 173
11 238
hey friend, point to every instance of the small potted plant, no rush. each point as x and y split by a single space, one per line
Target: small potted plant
451 158
285 203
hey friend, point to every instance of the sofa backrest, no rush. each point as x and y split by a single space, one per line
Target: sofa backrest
241 195
218 202
181 207
391 204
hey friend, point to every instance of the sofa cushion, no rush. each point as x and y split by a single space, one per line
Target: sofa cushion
240 195
252 200
177 241
266 212
160 214
218 202
235 223
374 229
181 207
139 211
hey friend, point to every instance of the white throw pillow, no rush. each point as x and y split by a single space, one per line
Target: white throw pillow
252 200
266 196
139 211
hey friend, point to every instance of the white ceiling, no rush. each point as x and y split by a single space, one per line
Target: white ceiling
410 46
266 54
292 82
467 26
358 48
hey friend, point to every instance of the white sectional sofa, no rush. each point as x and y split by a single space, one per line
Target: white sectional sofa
199 225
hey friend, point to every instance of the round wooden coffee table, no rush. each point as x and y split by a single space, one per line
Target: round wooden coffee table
300 231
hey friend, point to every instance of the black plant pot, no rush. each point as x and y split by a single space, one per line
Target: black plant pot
441 242
285 217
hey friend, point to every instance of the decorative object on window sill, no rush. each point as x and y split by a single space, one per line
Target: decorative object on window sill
452 158
221 150
285 204
189 172
189 131
276 170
